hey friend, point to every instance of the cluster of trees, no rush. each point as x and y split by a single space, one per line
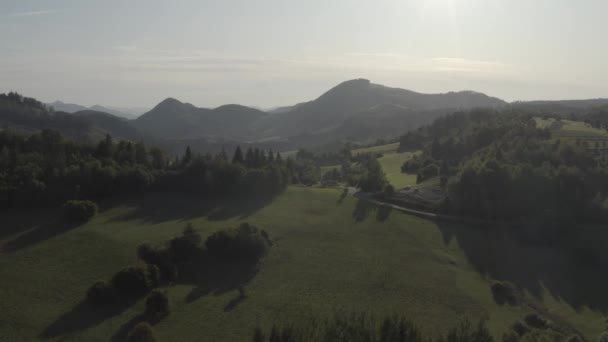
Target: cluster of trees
163 265
46 168
362 170
500 165
79 211
344 328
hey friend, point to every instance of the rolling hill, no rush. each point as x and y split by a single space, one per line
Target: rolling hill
346 111
173 119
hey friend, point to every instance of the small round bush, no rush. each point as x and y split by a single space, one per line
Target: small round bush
79 211
132 281
143 332
157 305
101 294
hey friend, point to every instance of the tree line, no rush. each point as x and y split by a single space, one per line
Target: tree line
46 168
500 165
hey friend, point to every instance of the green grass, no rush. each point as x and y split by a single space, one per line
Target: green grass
572 129
331 255
389 148
391 162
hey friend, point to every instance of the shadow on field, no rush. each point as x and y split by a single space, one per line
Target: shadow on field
570 268
210 275
125 329
83 316
160 207
38 232
363 209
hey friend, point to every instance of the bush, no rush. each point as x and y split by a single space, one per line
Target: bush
101 293
504 293
132 281
245 242
143 332
157 305
536 321
79 211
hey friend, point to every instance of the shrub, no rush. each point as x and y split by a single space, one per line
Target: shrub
536 321
79 211
505 293
245 242
157 305
132 281
143 332
101 293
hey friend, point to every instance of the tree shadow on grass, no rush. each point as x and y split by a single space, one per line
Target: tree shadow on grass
161 207
84 316
210 275
38 233
569 268
125 329
235 302
364 208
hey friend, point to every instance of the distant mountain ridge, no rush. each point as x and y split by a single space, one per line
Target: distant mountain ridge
127 113
172 118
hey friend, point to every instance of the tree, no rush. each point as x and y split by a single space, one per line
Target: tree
157 305
79 211
131 281
187 156
238 156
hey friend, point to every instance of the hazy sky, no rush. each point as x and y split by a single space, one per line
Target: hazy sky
279 52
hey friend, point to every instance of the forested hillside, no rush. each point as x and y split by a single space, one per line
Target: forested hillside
501 165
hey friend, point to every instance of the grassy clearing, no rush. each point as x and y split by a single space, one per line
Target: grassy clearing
391 162
389 148
572 129
331 254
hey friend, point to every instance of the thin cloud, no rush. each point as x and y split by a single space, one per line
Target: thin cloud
33 13
469 65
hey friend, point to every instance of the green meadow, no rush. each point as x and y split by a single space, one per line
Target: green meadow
331 254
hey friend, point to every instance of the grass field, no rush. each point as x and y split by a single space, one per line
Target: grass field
572 129
332 254
391 162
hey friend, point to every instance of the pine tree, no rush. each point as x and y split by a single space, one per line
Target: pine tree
271 157
187 156
249 158
238 156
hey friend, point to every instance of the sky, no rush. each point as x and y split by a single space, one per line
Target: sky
266 53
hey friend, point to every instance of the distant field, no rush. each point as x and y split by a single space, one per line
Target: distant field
572 129
391 164
331 254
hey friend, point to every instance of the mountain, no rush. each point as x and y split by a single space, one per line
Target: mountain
66 107
348 107
174 119
102 123
28 115
127 113
350 98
